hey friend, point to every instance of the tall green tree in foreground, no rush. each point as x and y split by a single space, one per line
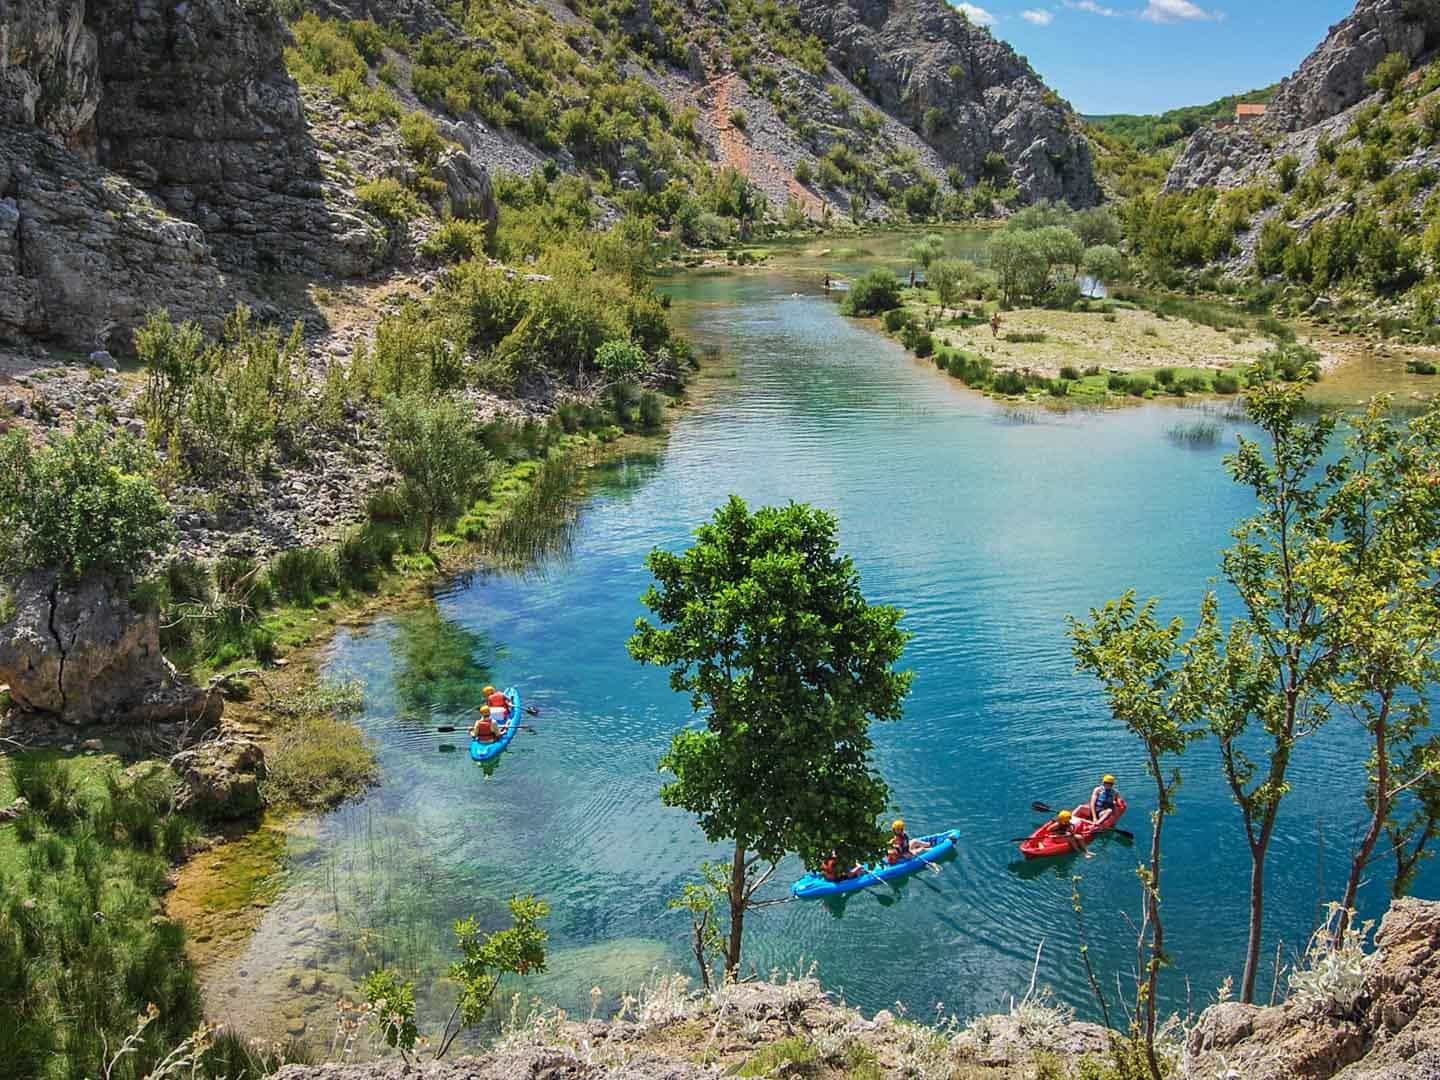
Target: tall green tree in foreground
1164 692
1376 577
1281 657
762 623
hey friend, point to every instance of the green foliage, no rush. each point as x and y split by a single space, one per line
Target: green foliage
485 957
83 502
435 447
457 240
926 251
317 756
1104 263
1021 265
1150 133
1287 362
1390 74
389 200
873 293
336 55
392 1000
951 279
102 843
620 359
782 761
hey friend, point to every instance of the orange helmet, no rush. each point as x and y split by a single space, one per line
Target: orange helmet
489 690
899 825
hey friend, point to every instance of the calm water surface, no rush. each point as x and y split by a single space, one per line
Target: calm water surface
987 528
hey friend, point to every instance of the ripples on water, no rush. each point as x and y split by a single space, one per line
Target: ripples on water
987 532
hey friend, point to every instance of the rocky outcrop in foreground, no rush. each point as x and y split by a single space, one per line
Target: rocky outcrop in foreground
795 1029
1394 1033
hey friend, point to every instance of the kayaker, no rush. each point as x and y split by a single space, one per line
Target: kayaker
498 702
901 846
485 728
1063 828
1104 801
830 869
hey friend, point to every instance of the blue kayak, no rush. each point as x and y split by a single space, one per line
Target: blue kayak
487 751
816 887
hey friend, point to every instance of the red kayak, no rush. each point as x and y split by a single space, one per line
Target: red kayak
1042 844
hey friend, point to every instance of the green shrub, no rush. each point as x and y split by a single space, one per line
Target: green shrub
873 293
1009 383
896 319
1226 384
1165 377
1420 367
82 502
1119 384
1139 385
389 200
317 756
621 359
924 345
652 410
1070 374
1027 337
300 575
456 240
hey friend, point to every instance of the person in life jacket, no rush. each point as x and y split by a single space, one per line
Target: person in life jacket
830 869
901 846
500 705
1104 802
1063 828
485 728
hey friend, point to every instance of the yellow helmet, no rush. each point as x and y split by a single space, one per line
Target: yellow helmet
899 825
484 710
489 690
1107 779
1065 817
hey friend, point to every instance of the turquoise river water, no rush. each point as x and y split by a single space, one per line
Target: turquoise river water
987 527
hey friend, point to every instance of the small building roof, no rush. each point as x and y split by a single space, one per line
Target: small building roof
1249 110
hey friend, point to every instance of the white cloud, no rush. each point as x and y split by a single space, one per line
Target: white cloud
977 15
1039 16
1092 7
1169 11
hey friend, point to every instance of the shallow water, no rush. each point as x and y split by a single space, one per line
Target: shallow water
987 527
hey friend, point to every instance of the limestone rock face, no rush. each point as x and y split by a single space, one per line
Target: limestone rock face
1310 104
914 56
147 147
221 778
1333 77
468 187
1395 1036
85 655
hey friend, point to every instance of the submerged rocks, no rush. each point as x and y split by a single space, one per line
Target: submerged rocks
84 654
221 778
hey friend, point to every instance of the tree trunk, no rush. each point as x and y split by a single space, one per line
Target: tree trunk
429 531
1377 819
1157 928
737 913
1257 920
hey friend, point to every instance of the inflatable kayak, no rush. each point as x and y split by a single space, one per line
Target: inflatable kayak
1043 844
486 751
816 887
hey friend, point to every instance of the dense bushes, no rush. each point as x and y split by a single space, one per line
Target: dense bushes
72 983
84 502
873 293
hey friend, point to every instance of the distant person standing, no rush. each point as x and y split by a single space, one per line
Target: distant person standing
995 325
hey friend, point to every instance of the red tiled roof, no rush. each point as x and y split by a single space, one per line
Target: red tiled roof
1249 110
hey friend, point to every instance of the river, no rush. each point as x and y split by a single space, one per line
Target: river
988 526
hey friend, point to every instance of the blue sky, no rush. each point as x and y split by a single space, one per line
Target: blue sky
1145 56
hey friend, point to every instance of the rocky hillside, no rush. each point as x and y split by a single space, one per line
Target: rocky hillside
1393 1033
1317 102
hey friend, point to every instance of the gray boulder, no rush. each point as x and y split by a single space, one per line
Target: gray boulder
221 778
468 188
85 655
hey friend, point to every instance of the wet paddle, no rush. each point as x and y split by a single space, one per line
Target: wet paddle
1041 808
451 727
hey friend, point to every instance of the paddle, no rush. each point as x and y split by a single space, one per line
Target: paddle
1041 808
451 727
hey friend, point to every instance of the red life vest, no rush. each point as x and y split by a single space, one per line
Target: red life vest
900 849
485 729
498 700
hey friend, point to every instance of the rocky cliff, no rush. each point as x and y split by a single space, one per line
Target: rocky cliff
1316 101
795 1029
915 56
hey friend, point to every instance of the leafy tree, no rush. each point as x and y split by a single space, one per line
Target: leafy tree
435 447
762 623
84 502
951 278
619 359
1165 693
1097 225
1020 264
1280 659
702 901
926 251
1062 248
1104 263
873 293
1375 576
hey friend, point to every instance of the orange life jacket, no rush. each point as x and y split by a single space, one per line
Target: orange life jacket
498 700
485 729
899 848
